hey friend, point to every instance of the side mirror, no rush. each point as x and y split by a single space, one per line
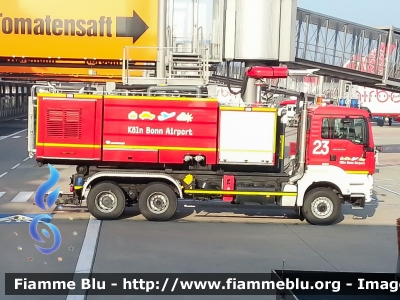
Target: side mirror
379 148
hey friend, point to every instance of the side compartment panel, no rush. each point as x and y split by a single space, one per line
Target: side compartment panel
247 137
159 129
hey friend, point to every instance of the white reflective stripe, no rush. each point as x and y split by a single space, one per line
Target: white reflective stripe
15 133
22 197
390 191
88 251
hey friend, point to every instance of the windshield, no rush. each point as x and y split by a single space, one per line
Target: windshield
354 130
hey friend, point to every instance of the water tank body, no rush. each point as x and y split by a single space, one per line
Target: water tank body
342 102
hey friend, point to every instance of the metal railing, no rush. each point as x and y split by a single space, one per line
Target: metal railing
9 107
13 99
146 69
196 40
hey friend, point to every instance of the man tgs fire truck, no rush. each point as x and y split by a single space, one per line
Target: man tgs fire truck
155 150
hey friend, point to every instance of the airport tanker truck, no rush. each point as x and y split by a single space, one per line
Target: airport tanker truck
154 151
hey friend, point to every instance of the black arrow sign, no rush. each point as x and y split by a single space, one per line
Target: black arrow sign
133 27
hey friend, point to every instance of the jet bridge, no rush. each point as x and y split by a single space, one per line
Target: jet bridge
340 49
349 51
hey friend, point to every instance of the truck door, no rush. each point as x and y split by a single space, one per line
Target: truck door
343 144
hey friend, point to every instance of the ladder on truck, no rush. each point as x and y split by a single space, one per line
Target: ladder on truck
32 105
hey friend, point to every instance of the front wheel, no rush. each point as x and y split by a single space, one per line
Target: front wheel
158 202
321 207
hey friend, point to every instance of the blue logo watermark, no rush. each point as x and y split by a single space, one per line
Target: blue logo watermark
50 201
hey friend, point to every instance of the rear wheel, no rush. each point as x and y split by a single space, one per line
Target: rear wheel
106 201
158 202
321 207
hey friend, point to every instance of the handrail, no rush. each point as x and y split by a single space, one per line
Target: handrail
169 44
170 64
31 116
169 36
123 92
127 71
200 36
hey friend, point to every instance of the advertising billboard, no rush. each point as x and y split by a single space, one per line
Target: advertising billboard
78 29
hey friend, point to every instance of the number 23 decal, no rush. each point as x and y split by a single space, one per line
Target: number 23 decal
321 147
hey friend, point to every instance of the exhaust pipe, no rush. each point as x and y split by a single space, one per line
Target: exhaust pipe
302 143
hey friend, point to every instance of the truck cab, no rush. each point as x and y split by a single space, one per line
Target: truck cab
339 154
340 137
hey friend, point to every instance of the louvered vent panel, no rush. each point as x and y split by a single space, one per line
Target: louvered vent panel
64 123
55 123
73 123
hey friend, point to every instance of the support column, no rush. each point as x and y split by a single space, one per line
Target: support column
250 95
258 93
162 40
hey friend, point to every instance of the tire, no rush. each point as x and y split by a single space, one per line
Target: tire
167 204
102 190
326 212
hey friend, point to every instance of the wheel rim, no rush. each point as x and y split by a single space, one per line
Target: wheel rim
157 203
322 207
106 202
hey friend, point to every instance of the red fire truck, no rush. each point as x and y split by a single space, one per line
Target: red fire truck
154 151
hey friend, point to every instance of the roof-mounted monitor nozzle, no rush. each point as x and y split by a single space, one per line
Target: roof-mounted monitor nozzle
264 72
